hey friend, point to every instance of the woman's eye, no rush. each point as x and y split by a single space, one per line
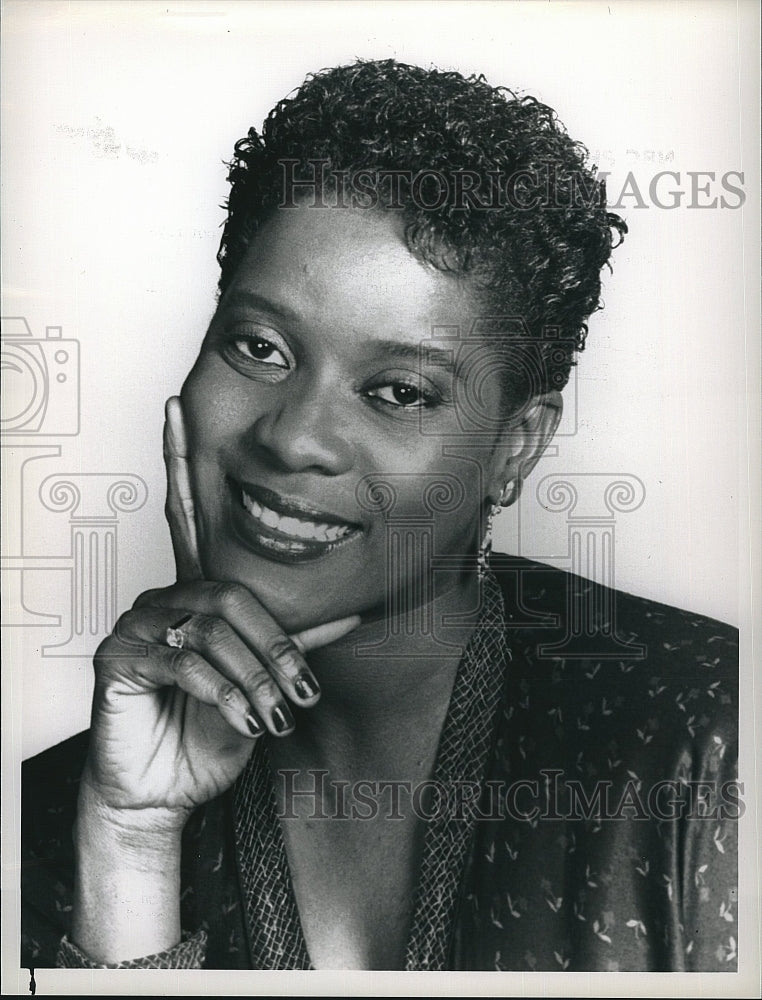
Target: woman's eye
261 350
402 394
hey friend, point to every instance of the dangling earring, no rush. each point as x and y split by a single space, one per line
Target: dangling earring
482 558
509 495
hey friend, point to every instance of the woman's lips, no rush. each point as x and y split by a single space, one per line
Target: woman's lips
297 528
281 529
290 507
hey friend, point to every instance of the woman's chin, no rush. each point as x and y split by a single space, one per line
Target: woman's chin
297 596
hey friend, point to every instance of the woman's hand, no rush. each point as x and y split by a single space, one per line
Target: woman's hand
173 727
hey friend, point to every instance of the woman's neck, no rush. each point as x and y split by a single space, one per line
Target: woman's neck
390 675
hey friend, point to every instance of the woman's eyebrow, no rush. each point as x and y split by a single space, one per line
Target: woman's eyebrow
435 356
253 300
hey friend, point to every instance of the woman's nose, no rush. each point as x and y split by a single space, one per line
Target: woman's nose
303 430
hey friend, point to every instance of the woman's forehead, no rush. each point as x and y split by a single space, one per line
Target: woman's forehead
347 266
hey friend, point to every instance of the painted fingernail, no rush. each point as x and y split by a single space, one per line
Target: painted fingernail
255 726
283 720
306 686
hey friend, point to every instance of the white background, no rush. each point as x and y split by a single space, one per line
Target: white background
116 119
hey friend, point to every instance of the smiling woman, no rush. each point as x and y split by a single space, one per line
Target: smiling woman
348 736
318 353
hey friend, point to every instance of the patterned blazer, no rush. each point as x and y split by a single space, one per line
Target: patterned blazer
583 818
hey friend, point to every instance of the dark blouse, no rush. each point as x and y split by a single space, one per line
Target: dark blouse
585 816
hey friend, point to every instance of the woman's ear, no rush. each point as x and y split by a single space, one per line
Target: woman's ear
522 444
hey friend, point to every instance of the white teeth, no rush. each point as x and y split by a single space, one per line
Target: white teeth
294 526
288 525
270 518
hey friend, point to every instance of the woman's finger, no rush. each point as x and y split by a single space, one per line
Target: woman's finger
165 666
180 508
323 635
282 655
222 647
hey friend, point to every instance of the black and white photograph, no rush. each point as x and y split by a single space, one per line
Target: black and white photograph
381 447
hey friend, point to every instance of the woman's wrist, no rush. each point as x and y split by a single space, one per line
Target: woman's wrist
127 884
141 836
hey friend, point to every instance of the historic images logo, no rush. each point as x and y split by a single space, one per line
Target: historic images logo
41 403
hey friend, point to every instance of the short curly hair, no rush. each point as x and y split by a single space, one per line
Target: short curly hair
535 258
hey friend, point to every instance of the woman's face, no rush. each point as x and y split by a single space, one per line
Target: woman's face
311 379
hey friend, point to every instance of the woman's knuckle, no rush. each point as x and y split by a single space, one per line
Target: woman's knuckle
125 623
211 631
185 663
281 650
228 595
262 686
103 652
227 695
125 629
146 598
